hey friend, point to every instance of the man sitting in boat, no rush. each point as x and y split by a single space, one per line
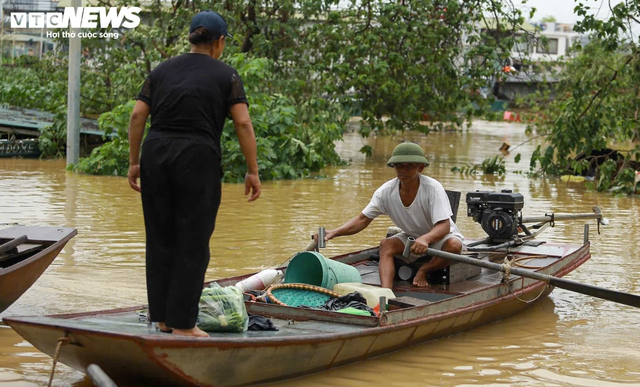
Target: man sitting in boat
416 203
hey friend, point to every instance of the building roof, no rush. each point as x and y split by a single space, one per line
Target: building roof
522 77
31 121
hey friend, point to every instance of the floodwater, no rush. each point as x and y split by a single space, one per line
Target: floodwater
567 339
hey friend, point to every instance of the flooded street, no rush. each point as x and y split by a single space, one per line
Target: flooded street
567 339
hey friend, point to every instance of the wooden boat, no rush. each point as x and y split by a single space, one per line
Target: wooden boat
25 253
128 348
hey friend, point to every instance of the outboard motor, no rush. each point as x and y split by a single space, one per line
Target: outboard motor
497 212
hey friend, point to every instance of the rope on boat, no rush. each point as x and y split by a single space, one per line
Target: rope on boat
61 341
527 301
506 266
529 257
505 278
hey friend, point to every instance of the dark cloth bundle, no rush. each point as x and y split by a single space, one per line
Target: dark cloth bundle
352 300
260 323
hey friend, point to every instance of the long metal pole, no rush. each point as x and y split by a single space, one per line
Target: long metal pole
73 95
597 214
41 42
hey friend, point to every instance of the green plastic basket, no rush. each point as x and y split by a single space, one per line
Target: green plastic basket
300 294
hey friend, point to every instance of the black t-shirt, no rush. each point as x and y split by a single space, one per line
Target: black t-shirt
190 96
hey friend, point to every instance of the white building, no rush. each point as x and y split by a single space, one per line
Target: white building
27 41
560 37
539 43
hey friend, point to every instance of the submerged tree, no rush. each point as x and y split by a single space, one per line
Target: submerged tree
597 105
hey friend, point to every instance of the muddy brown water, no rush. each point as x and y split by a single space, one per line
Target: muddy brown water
567 339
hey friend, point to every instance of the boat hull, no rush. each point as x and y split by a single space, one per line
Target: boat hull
19 277
224 361
191 363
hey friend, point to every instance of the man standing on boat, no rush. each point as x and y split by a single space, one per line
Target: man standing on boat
416 203
189 97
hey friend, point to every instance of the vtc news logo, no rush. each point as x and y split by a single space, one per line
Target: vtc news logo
81 17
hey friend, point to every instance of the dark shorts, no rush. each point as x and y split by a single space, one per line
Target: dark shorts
436 245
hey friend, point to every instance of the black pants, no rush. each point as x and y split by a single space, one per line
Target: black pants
181 190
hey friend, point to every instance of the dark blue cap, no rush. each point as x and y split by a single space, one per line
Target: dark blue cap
212 21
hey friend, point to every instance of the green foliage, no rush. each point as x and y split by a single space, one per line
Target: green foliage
406 59
490 166
367 150
111 158
35 84
53 138
615 32
493 166
401 61
395 62
294 138
596 107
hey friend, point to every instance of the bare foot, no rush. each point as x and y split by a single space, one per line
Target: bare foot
420 280
193 332
162 327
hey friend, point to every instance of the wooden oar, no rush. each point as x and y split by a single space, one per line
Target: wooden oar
606 294
12 244
311 245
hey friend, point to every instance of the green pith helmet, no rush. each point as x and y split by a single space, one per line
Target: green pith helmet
408 152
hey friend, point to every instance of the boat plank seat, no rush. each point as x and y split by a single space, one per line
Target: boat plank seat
6 247
18 250
456 271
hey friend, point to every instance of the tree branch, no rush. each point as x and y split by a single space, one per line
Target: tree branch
602 89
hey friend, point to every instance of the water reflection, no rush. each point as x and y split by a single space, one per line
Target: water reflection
568 339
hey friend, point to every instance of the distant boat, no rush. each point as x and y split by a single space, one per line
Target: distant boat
25 253
27 148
